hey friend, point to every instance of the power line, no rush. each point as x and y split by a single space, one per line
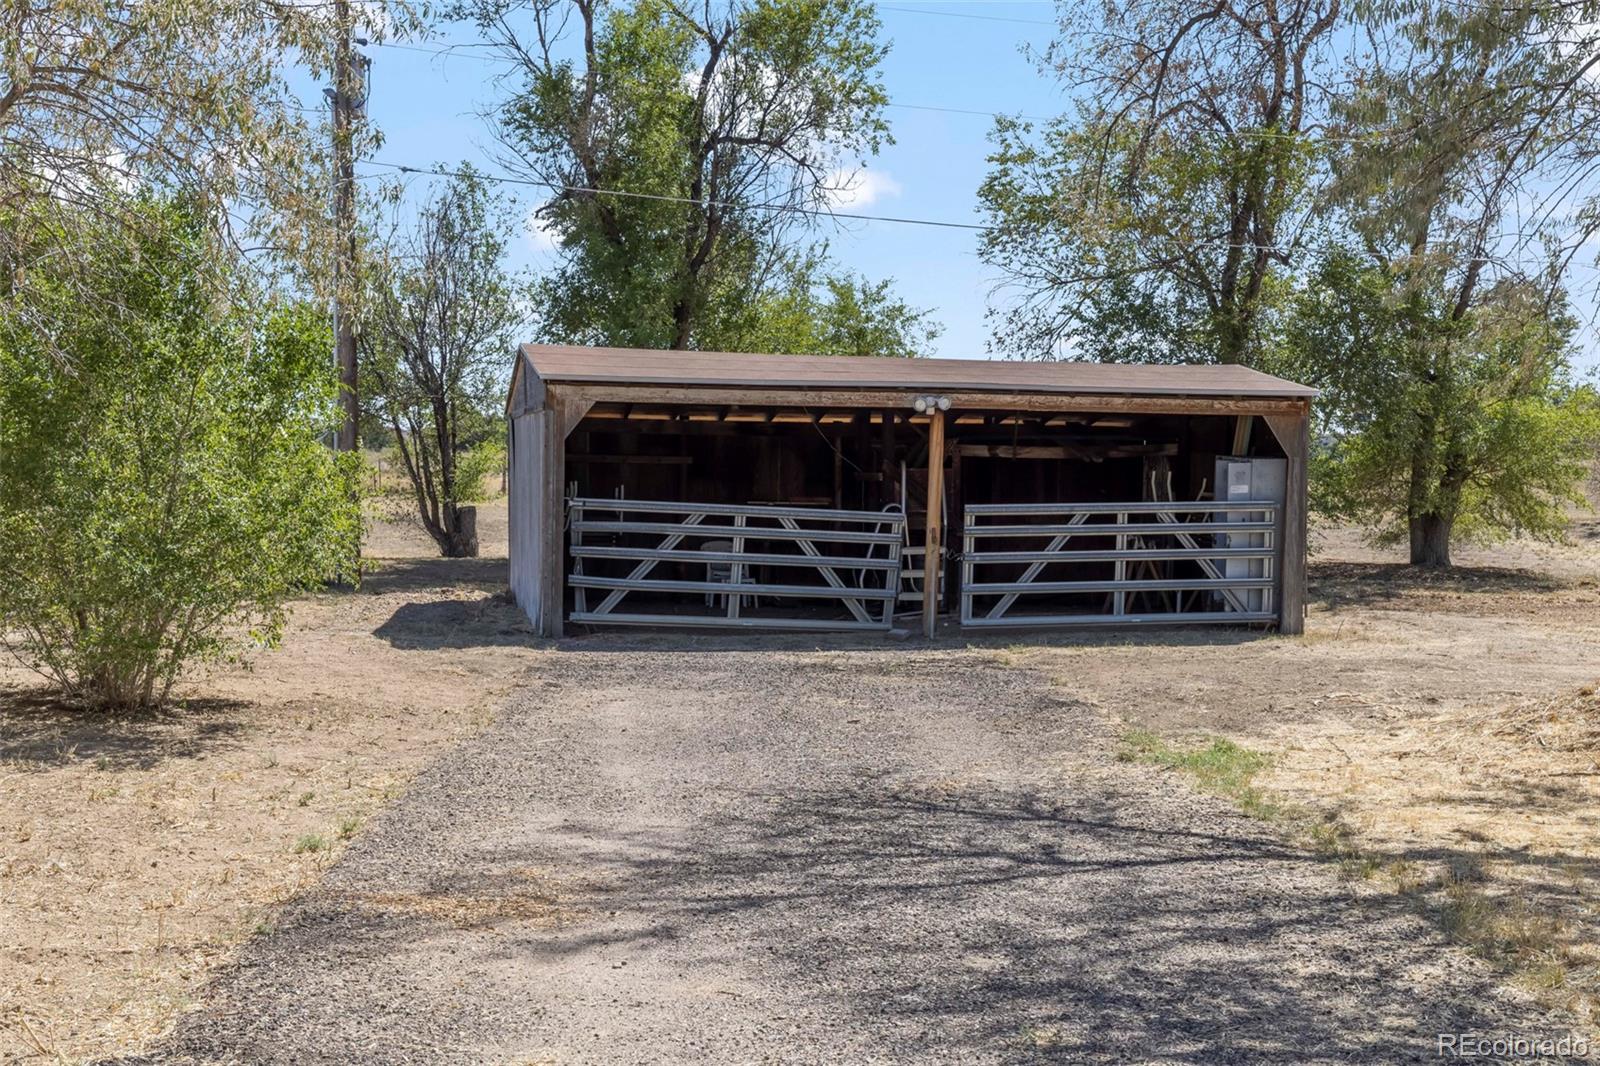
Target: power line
816 212
813 212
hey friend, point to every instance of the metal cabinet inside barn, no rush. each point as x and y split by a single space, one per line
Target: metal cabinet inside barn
807 492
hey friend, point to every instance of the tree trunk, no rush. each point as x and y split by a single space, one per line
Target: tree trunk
682 324
1430 540
461 542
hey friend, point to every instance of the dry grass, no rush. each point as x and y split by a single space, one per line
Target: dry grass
1477 901
136 854
1433 735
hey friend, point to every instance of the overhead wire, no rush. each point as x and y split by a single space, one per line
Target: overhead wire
406 168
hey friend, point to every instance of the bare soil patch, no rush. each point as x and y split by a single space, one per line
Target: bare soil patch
137 854
1444 726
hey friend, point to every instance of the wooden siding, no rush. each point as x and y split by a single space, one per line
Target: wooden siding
525 505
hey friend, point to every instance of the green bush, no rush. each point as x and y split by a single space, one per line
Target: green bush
478 470
163 488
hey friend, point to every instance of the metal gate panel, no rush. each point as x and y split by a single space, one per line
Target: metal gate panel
855 554
1141 541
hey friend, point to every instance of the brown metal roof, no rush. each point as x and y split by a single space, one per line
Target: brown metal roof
646 366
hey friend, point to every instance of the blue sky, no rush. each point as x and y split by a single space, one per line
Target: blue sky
962 54
966 55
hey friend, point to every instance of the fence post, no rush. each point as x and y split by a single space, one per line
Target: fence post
933 541
736 568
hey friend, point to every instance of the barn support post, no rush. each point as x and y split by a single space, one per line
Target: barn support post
1294 436
933 540
552 513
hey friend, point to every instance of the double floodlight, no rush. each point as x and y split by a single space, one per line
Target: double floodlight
923 404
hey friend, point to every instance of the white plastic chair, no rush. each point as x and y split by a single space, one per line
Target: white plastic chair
716 571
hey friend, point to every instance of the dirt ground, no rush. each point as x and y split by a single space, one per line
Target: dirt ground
136 855
714 851
1442 719
1448 723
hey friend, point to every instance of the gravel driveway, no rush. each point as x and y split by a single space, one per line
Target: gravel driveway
711 854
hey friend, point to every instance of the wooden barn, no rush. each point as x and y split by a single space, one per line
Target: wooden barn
667 489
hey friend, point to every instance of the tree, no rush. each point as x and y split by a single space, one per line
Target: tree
688 151
1443 428
164 491
101 96
811 309
1452 141
1148 224
1508 91
442 319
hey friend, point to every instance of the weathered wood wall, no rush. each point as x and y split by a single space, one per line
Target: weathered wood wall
525 508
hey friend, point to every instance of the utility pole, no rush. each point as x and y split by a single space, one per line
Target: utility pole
348 99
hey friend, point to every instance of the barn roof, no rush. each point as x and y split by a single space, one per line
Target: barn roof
644 366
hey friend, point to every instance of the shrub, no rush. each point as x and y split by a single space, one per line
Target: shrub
163 490
480 468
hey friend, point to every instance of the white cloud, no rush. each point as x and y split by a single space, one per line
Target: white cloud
860 188
541 233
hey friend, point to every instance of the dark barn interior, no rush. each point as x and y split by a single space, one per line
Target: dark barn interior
873 460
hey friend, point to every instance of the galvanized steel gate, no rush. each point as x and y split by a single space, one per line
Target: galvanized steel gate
855 553
1234 545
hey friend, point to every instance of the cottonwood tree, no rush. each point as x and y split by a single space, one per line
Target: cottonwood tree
1440 427
163 489
1454 184
817 310
1148 224
685 144
441 321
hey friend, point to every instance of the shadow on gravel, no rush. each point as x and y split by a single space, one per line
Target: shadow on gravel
929 925
1055 933
950 637
652 887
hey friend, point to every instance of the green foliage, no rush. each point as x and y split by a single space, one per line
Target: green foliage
1472 421
163 491
812 312
1114 271
442 319
310 844
719 130
1465 141
1220 767
1153 221
479 469
101 95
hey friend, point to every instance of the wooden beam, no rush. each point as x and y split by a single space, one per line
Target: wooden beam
1242 426
1294 435
573 412
844 399
553 514
1088 449
933 536
630 460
